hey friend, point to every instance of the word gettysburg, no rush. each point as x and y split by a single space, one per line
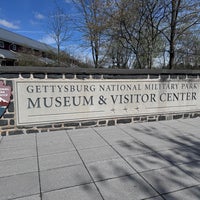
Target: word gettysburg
69 101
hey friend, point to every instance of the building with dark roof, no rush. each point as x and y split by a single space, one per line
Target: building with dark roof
14 47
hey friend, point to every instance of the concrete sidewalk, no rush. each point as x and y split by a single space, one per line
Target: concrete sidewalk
157 160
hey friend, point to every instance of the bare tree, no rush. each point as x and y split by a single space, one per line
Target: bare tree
144 21
118 51
126 26
182 15
136 31
188 51
59 28
139 23
92 24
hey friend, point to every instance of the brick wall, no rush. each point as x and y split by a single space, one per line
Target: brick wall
9 74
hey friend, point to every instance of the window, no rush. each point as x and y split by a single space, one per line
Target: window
14 47
1 44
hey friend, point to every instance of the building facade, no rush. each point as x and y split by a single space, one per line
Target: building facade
15 48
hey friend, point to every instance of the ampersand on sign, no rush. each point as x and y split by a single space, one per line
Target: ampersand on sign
102 100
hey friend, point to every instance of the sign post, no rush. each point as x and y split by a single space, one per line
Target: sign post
5 93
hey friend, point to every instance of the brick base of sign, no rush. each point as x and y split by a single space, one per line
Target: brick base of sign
8 122
13 130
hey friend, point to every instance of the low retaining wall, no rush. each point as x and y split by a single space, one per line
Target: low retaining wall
56 98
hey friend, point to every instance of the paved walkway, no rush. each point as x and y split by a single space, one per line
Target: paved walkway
155 161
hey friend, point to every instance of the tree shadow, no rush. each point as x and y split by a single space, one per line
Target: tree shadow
167 172
187 149
167 179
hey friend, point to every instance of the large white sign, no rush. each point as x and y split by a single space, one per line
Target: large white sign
50 101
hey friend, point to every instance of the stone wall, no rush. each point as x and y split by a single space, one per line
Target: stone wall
9 75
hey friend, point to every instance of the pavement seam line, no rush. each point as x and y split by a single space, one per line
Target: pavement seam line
176 165
63 188
173 164
38 165
17 198
93 181
138 173
171 192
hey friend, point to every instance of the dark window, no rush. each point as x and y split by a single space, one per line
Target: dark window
1 44
14 47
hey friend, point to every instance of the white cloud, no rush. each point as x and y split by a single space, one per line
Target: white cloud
8 24
34 22
39 16
47 40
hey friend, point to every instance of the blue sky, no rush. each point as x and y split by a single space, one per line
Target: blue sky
29 17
